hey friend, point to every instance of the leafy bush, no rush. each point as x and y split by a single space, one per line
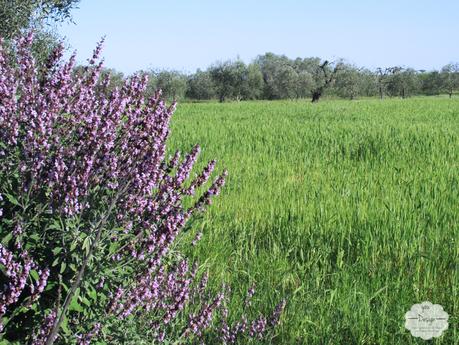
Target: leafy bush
92 210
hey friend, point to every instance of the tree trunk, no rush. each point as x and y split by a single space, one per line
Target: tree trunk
381 95
316 94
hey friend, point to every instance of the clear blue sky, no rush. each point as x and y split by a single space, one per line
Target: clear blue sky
187 34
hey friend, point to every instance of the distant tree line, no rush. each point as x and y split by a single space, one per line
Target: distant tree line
268 76
272 77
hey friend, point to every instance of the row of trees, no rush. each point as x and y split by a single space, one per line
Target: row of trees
272 76
268 76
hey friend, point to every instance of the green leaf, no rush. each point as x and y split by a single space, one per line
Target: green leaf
85 301
113 247
74 305
63 267
73 245
7 238
12 199
65 326
87 244
66 288
50 285
57 250
55 225
55 262
92 293
34 275
34 237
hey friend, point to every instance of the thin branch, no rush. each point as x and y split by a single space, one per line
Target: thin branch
98 228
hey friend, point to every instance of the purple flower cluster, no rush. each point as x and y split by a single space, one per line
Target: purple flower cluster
86 339
250 294
73 134
166 293
257 328
229 335
196 239
201 179
17 271
78 143
201 321
42 335
275 317
17 274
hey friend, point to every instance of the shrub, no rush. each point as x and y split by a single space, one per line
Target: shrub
92 209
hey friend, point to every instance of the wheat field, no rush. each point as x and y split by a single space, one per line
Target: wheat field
349 209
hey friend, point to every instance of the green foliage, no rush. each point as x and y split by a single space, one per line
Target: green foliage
273 77
450 78
402 82
431 83
172 83
252 84
348 82
279 75
60 244
17 15
200 86
229 78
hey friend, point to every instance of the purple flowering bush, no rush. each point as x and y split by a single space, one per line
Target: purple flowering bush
91 209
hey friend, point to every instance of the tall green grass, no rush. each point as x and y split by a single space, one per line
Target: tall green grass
349 209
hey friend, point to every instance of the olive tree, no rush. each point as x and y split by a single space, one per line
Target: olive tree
402 82
200 86
173 84
324 75
348 82
450 78
234 79
16 15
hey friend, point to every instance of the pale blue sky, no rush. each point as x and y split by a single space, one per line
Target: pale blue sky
187 34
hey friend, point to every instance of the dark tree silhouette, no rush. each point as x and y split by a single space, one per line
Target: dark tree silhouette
324 76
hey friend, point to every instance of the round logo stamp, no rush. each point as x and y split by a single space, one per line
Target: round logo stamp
426 320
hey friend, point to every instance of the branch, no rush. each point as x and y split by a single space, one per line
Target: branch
98 227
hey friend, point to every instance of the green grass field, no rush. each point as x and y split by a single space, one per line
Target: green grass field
350 209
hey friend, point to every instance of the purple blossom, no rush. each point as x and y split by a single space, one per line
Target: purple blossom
250 293
196 239
75 134
40 337
275 317
101 282
86 339
258 327
17 270
39 286
201 321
